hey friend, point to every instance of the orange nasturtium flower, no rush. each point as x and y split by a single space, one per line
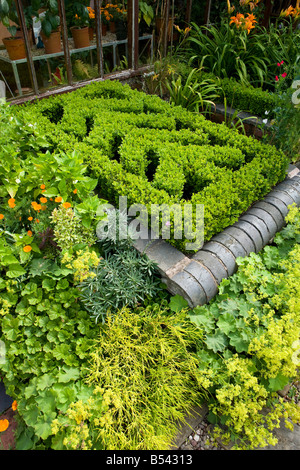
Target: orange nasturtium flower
66 205
14 405
37 221
43 200
30 218
42 186
27 248
11 202
3 424
29 233
58 199
1 216
75 191
36 206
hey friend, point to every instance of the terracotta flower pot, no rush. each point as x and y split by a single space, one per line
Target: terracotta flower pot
15 48
19 34
52 43
80 36
112 26
91 33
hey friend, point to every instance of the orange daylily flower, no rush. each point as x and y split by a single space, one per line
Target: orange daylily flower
3 424
243 22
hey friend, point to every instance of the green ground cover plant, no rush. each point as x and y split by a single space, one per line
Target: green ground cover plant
251 335
154 153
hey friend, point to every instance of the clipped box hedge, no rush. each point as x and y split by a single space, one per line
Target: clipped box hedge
139 146
247 98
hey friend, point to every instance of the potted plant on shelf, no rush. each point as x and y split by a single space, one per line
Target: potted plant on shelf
117 23
106 18
92 21
50 22
80 25
15 44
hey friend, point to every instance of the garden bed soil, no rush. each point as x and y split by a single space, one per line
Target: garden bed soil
7 438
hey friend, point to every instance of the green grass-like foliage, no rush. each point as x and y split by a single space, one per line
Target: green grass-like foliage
141 147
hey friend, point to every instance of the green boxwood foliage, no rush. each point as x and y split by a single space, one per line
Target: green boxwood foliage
139 146
248 98
245 98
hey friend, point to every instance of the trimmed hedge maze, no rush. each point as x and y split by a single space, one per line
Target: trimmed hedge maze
141 147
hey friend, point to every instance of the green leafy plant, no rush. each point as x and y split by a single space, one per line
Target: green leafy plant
146 12
229 52
285 130
250 329
50 19
83 70
68 229
194 95
123 277
9 15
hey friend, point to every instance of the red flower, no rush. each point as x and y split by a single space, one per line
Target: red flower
276 78
284 75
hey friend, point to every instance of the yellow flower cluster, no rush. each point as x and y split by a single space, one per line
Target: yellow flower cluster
243 401
81 423
7 302
81 263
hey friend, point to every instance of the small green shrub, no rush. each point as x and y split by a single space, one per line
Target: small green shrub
68 229
144 363
123 277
